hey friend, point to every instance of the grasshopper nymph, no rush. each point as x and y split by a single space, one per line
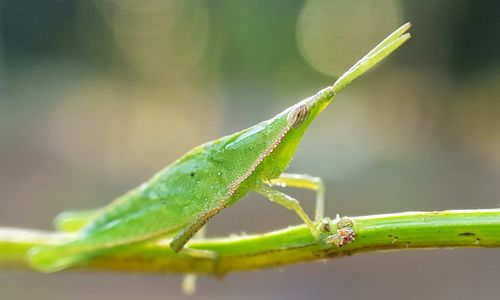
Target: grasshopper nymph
181 198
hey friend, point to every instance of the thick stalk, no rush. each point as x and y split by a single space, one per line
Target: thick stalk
411 230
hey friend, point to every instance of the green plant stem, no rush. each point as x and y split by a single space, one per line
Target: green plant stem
411 230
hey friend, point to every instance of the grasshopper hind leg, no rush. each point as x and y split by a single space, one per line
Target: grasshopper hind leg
189 280
178 244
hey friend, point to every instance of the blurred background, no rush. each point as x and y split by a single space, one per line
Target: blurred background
96 96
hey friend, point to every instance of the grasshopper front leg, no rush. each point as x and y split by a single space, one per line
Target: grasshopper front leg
289 203
305 182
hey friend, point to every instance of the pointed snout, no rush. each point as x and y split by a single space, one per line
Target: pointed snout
317 103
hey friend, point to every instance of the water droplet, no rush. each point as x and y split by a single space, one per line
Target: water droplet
219 173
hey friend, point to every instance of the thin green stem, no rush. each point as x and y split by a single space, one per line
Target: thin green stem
411 230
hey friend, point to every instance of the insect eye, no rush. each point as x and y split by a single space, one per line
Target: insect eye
297 116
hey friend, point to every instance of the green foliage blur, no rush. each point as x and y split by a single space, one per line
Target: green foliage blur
96 96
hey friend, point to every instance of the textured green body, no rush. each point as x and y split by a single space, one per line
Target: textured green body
182 193
181 198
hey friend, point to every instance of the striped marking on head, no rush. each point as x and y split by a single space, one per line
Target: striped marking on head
298 115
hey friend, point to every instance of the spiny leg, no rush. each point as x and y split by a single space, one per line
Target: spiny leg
305 182
289 203
189 280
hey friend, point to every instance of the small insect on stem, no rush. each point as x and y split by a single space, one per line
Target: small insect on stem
344 234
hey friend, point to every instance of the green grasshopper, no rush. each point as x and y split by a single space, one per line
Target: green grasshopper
180 199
